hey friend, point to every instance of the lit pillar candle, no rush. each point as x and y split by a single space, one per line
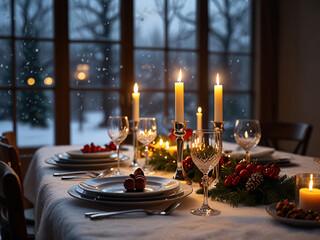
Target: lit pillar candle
218 101
199 119
179 104
309 198
135 104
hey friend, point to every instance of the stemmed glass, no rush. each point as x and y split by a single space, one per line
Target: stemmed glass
206 151
147 132
118 129
247 134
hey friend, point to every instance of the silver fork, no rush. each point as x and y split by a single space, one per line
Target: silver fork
59 174
89 174
101 215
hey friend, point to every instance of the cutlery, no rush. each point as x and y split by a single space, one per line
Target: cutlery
59 174
89 174
167 211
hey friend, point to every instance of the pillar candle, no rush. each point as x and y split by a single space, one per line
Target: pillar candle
179 104
218 101
135 103
199 119
309 198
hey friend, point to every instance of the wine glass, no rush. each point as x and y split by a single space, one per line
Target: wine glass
247 134
118 129
206 151
147 132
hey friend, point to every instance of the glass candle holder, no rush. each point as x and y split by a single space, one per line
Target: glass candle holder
303 196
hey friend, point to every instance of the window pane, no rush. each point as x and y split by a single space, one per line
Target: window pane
94 19
149 23
149 69
34 18
35 118
89 115
235 106
235 72
190 109
182 23
152 105
5 63
230 25
5 13
34 63
94 65
187 61
6 123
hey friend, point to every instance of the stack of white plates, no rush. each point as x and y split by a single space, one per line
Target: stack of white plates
110 191
78 159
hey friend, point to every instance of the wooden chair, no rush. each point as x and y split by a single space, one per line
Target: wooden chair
273 133
9 154
9 138
12 219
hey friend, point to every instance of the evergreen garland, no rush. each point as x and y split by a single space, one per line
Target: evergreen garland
271 189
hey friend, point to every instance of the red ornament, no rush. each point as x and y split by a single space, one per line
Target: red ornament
261 168
239 168
244 173
252 168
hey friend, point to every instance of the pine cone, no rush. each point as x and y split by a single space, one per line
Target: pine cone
254 181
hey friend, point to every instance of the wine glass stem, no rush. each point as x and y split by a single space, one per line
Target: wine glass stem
146 154
205 189
118 153
247 157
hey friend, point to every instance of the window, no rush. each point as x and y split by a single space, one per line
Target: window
27 71
98 38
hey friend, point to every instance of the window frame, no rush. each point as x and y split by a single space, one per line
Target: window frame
62 88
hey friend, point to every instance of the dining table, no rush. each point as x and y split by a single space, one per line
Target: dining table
61 216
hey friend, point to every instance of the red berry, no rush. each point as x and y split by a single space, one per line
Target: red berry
228 182
244 173
94 149
99 149
252 168
239 168
201 184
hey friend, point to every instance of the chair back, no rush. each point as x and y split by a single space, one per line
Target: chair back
9 154
300 133
9 138
12 219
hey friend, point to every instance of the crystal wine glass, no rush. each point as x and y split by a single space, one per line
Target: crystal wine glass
247 134
118 129
147 132
206 151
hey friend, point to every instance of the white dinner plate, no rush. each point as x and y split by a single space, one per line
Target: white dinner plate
271 209
55 161
169 194
186 190
113 186
79 154
66 158
275 158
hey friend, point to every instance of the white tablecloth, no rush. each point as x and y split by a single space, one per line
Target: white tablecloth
59 216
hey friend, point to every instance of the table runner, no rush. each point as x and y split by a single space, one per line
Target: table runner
59 216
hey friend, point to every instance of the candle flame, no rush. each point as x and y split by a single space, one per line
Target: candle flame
179 78
246 135
199 109
135 87
161 142
218 79
311 183
167 144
